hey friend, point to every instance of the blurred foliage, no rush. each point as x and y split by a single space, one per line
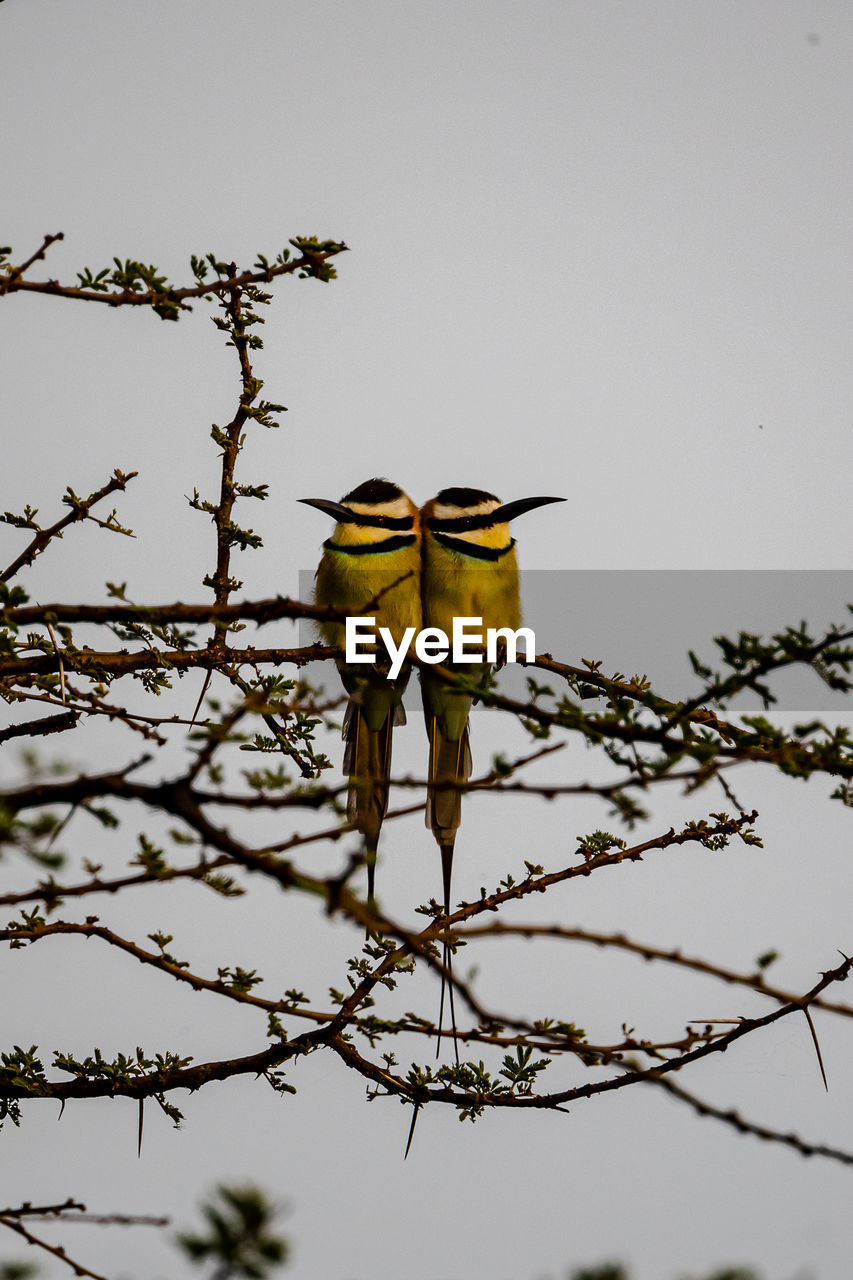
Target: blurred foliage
239 1239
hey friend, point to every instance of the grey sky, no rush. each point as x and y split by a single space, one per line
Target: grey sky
597 249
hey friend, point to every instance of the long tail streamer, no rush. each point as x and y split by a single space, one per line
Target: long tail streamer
449 762
367 763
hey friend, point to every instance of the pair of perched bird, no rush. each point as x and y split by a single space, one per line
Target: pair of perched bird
415 569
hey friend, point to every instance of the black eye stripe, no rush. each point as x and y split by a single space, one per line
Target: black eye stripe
377 522
464 524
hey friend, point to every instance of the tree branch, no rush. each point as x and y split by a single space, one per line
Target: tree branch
38 728
79 511
742 1125
754 981
309 263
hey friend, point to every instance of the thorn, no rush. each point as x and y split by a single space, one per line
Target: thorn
59 660
204 689
417 1108
440 1017
139 1132
370 863
447 960
816 1045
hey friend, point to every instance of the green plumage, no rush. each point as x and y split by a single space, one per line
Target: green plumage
470 570
456 583
357 571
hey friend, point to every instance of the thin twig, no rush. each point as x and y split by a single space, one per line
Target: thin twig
738 1122
12 283
28 1210
755 981
8 280
56 1250
79 511
36 728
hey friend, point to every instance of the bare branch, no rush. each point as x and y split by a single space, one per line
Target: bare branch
742 1125
7 281
755 981
38 728
27 1210
57 1251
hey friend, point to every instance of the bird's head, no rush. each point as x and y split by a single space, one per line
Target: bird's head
372 512
475 516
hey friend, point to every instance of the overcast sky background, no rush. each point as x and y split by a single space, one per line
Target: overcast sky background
599 250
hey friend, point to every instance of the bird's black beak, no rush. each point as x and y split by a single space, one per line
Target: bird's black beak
336 510
510 510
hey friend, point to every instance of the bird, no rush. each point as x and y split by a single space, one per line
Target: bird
373 558
470 570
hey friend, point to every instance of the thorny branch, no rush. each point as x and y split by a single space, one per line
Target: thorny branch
731 744
649 738
618 941
742 1125
225 988
337 1024
165 299
80 510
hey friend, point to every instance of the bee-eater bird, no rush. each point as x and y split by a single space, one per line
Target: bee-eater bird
470 570
373 558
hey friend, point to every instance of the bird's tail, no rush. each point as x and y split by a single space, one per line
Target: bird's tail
447 959
449 762
367 763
